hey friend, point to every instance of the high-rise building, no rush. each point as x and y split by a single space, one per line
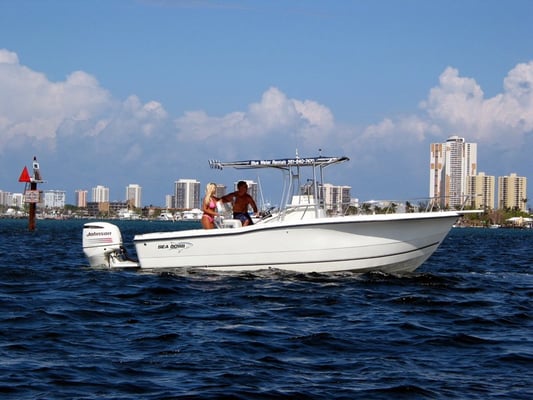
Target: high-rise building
481 189
17 199
54 198
221 190
169 201
133 195
100 194
187 194
81 198
5 198
512 192
451 164
336 198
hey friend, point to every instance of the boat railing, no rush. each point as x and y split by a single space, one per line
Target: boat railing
310 210
427 204
293 212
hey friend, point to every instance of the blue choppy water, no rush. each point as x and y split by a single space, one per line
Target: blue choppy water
460 327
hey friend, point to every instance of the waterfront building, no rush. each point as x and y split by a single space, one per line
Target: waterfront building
6 198
133 195
9 199
512 192
187 194
169 201
100 208
100 194
221 190
336 198
81 198
451 163
481 189
54 199
17 200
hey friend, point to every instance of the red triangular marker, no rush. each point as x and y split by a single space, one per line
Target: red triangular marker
25 176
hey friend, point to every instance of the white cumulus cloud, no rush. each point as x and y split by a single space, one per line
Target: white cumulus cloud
458 104
8 57
80 122
33 108
274 116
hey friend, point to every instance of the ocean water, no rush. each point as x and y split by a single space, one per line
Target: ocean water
460 327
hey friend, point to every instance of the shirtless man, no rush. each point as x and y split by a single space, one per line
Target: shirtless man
241 200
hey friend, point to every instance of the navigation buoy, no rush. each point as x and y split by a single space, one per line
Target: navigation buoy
31 195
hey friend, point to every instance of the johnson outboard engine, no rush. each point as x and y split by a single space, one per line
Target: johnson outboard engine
102 245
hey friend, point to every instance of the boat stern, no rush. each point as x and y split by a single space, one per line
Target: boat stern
102 245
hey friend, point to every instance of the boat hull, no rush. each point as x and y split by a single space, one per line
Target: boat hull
389 243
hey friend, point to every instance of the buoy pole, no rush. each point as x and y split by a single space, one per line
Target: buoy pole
33 210
31 196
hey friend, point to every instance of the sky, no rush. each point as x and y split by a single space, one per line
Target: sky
118 92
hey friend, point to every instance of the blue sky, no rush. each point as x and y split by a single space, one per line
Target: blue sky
113 92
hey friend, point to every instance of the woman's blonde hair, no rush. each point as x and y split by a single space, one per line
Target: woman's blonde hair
210 190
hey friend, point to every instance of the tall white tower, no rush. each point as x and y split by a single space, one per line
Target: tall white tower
133 195
187 194
451 164
100 194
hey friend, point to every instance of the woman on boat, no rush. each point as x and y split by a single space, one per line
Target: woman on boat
209 206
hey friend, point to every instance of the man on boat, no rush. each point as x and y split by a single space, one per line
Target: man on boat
241 200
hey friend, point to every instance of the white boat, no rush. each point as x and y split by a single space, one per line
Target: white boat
192 215
124 213
166 216
299 236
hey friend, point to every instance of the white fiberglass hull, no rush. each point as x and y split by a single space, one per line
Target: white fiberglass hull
388 243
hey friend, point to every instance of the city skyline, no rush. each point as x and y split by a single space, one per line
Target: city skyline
376 81
480 189
456 181
453 182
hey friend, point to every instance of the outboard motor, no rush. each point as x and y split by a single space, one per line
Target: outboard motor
102 245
